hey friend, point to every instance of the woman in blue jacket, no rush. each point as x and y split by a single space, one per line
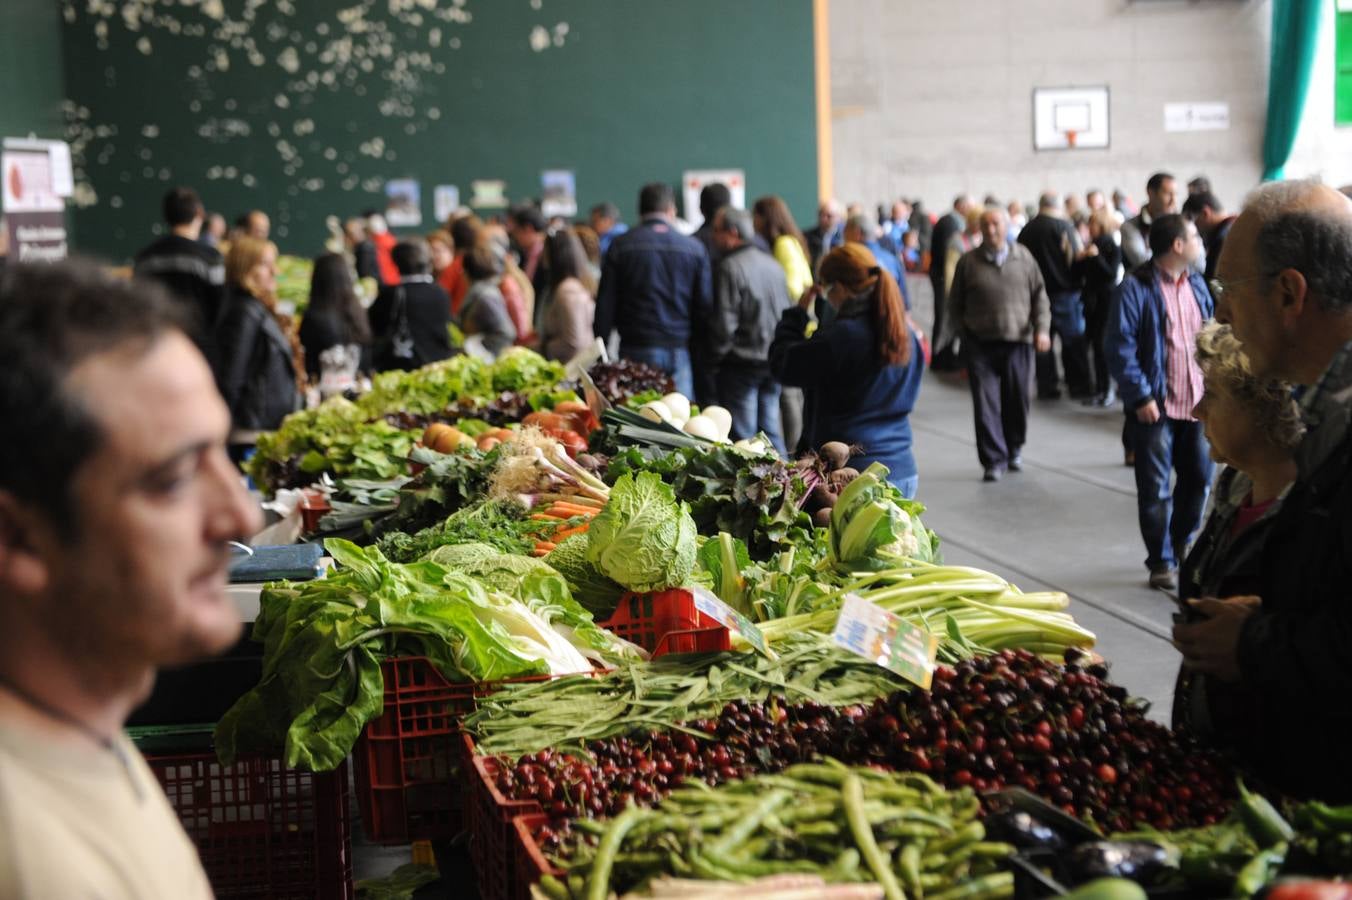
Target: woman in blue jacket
861 373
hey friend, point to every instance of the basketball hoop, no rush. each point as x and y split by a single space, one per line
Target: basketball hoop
1070 137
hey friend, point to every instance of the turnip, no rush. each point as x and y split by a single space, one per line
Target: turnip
679 406
721 417
822 517
835 454
821 497
703 427
841 477
656 411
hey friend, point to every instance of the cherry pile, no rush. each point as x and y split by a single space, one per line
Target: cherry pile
1061 732
1008 720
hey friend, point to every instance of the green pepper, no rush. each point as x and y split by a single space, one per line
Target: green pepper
1262 820
1260 870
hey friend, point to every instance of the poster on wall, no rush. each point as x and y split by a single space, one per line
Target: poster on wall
403 203
694 181
488 194
1197 117
1072 118
445 200
558 193
35 214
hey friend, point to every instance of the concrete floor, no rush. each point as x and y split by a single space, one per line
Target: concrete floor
1066 523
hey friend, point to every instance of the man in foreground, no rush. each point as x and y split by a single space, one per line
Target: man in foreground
1284 282
117 502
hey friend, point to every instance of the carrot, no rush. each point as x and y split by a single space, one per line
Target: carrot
544 546
572 509
569 532
548 516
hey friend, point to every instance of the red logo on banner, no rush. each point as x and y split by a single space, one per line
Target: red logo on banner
15 183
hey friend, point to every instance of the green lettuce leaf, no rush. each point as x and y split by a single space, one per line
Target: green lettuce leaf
643 538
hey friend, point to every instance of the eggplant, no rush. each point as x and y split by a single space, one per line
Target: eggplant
1023 830
1140 861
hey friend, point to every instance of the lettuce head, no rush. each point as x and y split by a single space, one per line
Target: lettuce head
644 539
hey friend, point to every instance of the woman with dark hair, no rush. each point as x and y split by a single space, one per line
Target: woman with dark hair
570 307
861 373
335 316
484 316
258 365
464 231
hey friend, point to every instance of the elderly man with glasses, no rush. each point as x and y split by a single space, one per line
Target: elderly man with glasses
1150 342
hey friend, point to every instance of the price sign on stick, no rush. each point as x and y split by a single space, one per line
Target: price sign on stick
874 633
707 603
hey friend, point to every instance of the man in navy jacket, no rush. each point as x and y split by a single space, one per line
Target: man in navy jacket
1150 343
655 282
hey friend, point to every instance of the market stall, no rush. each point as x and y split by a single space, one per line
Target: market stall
571 623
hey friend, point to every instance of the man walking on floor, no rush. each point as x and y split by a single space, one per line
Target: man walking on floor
1150 344
999 307
1055 244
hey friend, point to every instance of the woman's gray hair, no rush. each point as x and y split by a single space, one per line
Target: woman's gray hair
1226 366
1293 236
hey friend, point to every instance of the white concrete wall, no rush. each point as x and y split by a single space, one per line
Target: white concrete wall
1322 149
932 97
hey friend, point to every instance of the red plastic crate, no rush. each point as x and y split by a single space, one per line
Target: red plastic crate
531 863
494 837
667 622
261 829
407 757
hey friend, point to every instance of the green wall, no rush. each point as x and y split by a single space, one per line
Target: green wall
305 109
30 68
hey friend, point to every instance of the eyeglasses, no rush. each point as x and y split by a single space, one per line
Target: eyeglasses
1219 287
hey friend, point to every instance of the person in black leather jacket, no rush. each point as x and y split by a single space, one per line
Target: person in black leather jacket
427 311
256 360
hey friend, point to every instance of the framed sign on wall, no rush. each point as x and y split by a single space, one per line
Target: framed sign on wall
1070 118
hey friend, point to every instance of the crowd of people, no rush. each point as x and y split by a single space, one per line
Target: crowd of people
115 524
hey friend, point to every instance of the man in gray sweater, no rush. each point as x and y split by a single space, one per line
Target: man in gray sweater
750 296
999 308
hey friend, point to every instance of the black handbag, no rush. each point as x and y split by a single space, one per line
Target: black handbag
396 349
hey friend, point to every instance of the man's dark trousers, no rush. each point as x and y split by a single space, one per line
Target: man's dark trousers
1169 522
1000 375
1068 323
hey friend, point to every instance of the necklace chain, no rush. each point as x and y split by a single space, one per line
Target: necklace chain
108 744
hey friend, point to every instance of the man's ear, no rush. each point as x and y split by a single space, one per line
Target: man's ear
1292 293
23 533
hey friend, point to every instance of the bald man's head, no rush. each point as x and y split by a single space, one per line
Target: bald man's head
1285 277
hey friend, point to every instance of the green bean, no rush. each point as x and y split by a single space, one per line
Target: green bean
818 829
989 887
553 888
747 826
911 831
598 884
846 863
810 811
967 834
852 797
909 864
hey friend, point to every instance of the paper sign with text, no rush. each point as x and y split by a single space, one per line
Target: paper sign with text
874 633
707 603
